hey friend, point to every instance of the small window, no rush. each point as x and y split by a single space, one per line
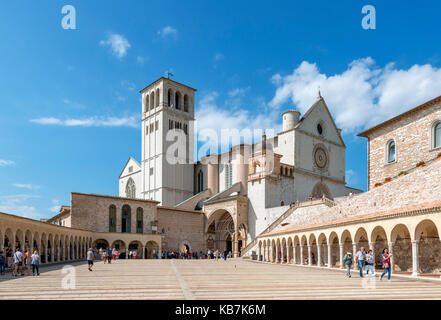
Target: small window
391 152
320 129
437 136
156 125
130 169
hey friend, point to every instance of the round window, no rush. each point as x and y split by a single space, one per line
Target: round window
321 158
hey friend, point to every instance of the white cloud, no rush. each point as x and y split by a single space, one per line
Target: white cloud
118 44
5 163
351 177
132 121
363 94
129 85
15 204
26 186
56 207
140 60
168 31
213 119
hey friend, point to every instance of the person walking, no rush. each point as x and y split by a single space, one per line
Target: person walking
348 261
370 263
90 258
2 262
386 264
360 258
109 255
18 263
27 261
35 263
104 256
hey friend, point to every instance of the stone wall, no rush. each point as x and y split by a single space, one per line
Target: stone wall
412 136
181 227
91 212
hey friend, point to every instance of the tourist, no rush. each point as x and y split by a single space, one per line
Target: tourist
104 256
109 255
2 263
130 254
101 253
35 263
90 258
18 263
27 261
386 264
360 258
113 254
370 263
134 254
348 261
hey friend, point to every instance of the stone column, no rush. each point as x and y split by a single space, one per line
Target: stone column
354 251
236 241
288 254
301 254
309 255
341 256
77 253
391 246
2 242
271 253
143 253
58 253
319 255
294 250
415 262
329 255
68 253
45 253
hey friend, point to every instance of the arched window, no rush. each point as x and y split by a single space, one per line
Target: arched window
437 135
391 151
147 101
130 189
126 219
112 218
169 97
185 103
139 220
152 101
177 100
157 98
200 181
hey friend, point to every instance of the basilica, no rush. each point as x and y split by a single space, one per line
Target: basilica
281 199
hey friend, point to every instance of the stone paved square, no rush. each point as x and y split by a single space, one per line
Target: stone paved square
208 279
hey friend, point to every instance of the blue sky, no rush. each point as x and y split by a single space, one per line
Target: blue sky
70 103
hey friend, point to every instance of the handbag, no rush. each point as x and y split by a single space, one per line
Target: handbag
386 265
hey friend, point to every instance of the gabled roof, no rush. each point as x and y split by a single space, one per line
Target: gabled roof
306 115
427 104
130 158
167 79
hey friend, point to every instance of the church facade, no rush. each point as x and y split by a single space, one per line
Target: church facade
262 181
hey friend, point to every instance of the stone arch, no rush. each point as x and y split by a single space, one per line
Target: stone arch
391 151
151 250
185 247
312 246
273 251
157 98
361 238
19 239
429 247
322 250
28 242
146 103
36 242
320 190
56 251
334 246
284 251
136 248
112 218
222 226
130 189
346 241
152 100
402 248
43 248
435 134
259 249
169 97
9 239
379 241
120 246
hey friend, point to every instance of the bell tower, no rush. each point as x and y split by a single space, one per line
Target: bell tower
167 141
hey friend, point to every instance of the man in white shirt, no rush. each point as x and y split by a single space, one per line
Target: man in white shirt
360 258
18 263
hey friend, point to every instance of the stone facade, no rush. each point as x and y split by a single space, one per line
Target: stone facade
412 133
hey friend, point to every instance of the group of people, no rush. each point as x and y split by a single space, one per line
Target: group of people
112 254
365 261
21 262
210 254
